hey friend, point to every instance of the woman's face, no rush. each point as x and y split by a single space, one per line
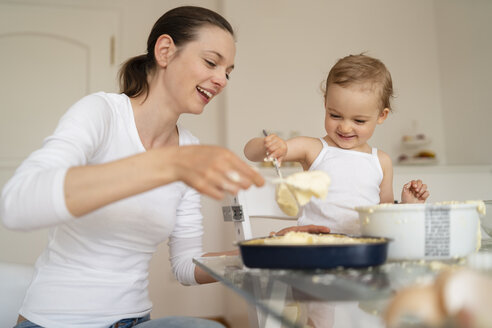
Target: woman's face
200 69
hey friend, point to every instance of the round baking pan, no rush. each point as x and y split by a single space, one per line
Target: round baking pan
320 256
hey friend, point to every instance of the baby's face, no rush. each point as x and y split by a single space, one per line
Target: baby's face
352 114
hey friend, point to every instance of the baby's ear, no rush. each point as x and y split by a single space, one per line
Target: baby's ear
383 115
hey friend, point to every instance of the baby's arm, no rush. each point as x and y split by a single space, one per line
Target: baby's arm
272 146
414 192
298 149
386 186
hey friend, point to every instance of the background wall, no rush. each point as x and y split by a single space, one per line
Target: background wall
284 57
438 52
465 48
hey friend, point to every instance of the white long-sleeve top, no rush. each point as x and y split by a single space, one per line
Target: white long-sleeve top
94 270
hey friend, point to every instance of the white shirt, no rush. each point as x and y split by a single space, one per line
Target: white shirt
94 270
355 180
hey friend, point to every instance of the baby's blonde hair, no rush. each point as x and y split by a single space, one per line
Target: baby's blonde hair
365 71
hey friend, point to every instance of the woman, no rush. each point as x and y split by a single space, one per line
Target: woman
112 183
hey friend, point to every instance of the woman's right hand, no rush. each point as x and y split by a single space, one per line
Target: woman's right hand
213 170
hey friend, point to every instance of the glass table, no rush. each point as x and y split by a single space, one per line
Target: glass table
294 298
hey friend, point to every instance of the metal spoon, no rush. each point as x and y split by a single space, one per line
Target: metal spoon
275 162
280 187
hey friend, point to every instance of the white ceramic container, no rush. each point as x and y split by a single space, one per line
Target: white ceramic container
424 231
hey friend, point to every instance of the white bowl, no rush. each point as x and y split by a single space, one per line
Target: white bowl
424 231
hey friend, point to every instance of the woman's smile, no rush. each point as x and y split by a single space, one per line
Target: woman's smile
205 94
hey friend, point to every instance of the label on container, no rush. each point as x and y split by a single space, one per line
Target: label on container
437 231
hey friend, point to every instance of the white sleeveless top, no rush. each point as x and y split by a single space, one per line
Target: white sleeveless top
355 180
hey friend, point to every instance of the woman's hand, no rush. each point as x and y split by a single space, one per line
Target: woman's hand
213 170
414 192
307 228
276 147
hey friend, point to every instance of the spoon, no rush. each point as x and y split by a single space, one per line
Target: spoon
275 161
284 196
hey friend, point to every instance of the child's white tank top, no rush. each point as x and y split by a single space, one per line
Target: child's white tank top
355 180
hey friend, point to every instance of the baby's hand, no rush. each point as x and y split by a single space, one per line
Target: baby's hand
414 192
276 147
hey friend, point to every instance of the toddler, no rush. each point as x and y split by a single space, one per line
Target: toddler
357 98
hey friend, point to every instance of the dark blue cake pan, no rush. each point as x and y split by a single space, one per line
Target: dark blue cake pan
356 255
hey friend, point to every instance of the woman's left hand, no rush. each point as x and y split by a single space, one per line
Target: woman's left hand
307 228
414 192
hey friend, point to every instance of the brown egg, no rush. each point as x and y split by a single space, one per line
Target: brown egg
419 301
461 296
466 294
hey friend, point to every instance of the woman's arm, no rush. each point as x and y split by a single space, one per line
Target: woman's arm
203 277
43 197
185 242
57 182
204 168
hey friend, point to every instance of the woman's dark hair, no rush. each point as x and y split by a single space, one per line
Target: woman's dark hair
182 25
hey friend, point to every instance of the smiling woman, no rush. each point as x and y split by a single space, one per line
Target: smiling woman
195 73
119 176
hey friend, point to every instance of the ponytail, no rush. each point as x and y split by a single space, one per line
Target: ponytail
133 76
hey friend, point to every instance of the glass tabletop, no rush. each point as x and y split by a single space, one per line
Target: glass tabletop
294 296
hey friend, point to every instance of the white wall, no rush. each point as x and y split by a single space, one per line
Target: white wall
437 51
287 47
464 30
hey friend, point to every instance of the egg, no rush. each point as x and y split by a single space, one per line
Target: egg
460 296
419 301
